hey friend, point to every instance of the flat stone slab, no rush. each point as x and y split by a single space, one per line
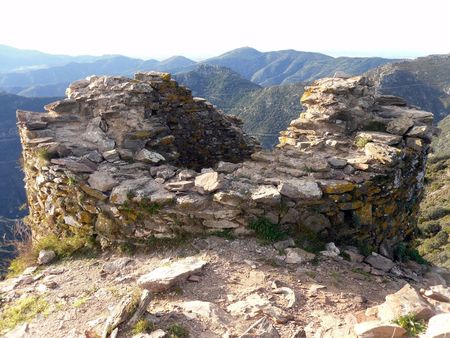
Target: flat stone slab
300 189
439 326
405 301
380 262
164 277
378 329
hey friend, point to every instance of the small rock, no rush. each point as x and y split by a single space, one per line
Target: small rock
148 156
208 182
253 305
378 329
186 174
266 194
439 326
314 288
29 270
20 331
111 155
220 224
194 278
439 293
377 272
118 264
434 278
262 328
164 277
102 181
354 256
331 250
180 185
405 301
282 245
46 256
157 334
337 163
205 310
42 288
297 255
50 282
288 293
227 167
379 262
250 263
300 189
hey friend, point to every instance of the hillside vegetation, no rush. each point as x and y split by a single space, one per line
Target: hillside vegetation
267 111
221 86
291 66
434 219
424 82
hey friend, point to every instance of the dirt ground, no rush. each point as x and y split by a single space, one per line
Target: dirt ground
82 292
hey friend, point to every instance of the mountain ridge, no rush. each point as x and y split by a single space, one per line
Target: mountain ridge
263 68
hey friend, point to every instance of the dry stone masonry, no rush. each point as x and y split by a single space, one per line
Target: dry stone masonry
131 159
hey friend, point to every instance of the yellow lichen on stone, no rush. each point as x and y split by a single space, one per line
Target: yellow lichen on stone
166 76
364 214
337 187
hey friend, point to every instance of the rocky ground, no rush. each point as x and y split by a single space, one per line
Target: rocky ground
227 286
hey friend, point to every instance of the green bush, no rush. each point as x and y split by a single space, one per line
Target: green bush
411 324
435 213
142 326
62 246
430 228
403 252
267 231
434 243
177 331
22 310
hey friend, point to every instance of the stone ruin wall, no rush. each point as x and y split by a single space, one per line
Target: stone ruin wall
130 159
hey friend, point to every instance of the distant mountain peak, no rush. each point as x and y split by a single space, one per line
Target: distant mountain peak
242 52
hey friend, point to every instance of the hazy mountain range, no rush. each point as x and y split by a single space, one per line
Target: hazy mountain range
51 76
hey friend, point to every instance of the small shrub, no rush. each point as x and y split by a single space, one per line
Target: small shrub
430 228
375 126
267 231
180 239
411 324
142 326
80 301
71 180
365 249
345 256
435 213
433 243
149 207
403 252
177 331
308 239
21 311
127 248
367 275
63 247
43 154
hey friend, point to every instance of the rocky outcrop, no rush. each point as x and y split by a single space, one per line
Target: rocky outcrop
124 159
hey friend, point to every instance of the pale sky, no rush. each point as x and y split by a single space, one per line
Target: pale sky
204 28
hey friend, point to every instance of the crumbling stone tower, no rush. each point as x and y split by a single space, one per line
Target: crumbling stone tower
128 159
